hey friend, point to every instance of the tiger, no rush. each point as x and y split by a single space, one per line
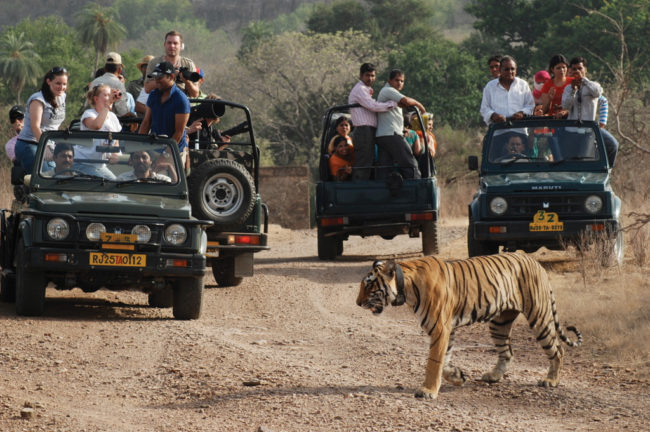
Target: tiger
445 295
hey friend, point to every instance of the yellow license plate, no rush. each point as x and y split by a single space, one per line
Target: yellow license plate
117 259
118 238
544 221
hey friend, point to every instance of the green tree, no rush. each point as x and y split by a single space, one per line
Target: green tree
138 16
252 35
389 22
448 81
291 79
19 63
58 45
98 27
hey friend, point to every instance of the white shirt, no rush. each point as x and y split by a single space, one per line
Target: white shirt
111 124
131 176
496 99
390 122
366 116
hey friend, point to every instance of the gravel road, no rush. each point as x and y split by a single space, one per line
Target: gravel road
289 350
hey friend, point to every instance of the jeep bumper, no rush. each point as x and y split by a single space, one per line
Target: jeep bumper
504 231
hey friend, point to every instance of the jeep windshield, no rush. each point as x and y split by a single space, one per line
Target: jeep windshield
100 157
544 144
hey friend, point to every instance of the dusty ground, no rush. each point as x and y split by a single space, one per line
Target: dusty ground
289 350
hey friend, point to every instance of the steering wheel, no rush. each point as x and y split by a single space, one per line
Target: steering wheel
510 156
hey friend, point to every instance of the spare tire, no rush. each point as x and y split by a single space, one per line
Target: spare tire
223 191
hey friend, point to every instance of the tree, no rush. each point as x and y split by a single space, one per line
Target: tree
447 80
19 63
291 79
138 16
98 27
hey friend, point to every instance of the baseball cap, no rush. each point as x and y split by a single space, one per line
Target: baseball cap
113 58
542 76
163 68
200 72
145 61
16 112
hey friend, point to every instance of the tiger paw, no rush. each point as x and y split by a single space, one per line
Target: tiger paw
492 376
547 382
455 376
425 393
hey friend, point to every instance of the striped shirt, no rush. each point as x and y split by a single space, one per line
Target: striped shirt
603 110
366 115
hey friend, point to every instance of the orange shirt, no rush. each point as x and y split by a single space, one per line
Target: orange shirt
337 162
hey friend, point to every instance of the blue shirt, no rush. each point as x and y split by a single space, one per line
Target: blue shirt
163 115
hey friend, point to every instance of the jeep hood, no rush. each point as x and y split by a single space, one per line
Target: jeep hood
112 204
547 181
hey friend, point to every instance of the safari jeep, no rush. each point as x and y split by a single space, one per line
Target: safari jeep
387 208
223 187
551 190
107 211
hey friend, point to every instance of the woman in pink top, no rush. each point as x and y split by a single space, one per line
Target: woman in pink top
553 88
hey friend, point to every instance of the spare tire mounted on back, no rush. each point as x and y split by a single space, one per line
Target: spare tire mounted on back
221 190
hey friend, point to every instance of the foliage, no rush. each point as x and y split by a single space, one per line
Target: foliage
389 22
291 79
138 16
98 27
57 44
18 62
446 80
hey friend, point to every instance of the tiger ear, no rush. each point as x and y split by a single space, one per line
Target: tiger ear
377 264
389 268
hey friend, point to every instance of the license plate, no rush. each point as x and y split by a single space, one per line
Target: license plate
544 221
117 259
118 238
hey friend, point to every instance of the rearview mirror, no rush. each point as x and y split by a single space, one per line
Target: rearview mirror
472 163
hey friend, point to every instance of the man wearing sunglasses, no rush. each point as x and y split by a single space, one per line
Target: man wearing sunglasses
506 97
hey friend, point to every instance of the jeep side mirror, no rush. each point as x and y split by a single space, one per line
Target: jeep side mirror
472 163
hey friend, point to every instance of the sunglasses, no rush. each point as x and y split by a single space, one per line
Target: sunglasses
56 70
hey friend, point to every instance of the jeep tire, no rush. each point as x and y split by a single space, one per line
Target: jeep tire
223 270
30 287
223 191
188 297
477 247
430 238
328 247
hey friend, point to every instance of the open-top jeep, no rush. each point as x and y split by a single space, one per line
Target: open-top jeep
223 187
104 210
386 208
543 182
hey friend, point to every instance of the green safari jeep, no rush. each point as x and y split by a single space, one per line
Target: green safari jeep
387 208
543 182
104 210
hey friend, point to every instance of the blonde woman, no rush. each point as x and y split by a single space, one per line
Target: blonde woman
99 118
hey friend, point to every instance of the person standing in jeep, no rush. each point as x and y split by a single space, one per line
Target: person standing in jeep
173 47
364 120
168 109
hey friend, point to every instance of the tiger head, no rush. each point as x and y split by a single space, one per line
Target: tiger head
380 287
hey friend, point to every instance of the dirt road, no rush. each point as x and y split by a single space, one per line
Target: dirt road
288 350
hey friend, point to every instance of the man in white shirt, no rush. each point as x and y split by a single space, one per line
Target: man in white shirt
506 97
364 120
393 148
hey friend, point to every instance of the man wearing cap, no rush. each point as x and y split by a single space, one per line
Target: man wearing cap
168 109
16 118
136 85
173 47
113 68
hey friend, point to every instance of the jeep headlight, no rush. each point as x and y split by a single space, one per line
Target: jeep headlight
498 206
593 204
94 231
58 229
143 232
175 234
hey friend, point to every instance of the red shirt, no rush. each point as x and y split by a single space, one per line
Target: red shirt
557 99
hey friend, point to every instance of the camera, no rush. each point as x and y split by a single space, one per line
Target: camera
188 75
